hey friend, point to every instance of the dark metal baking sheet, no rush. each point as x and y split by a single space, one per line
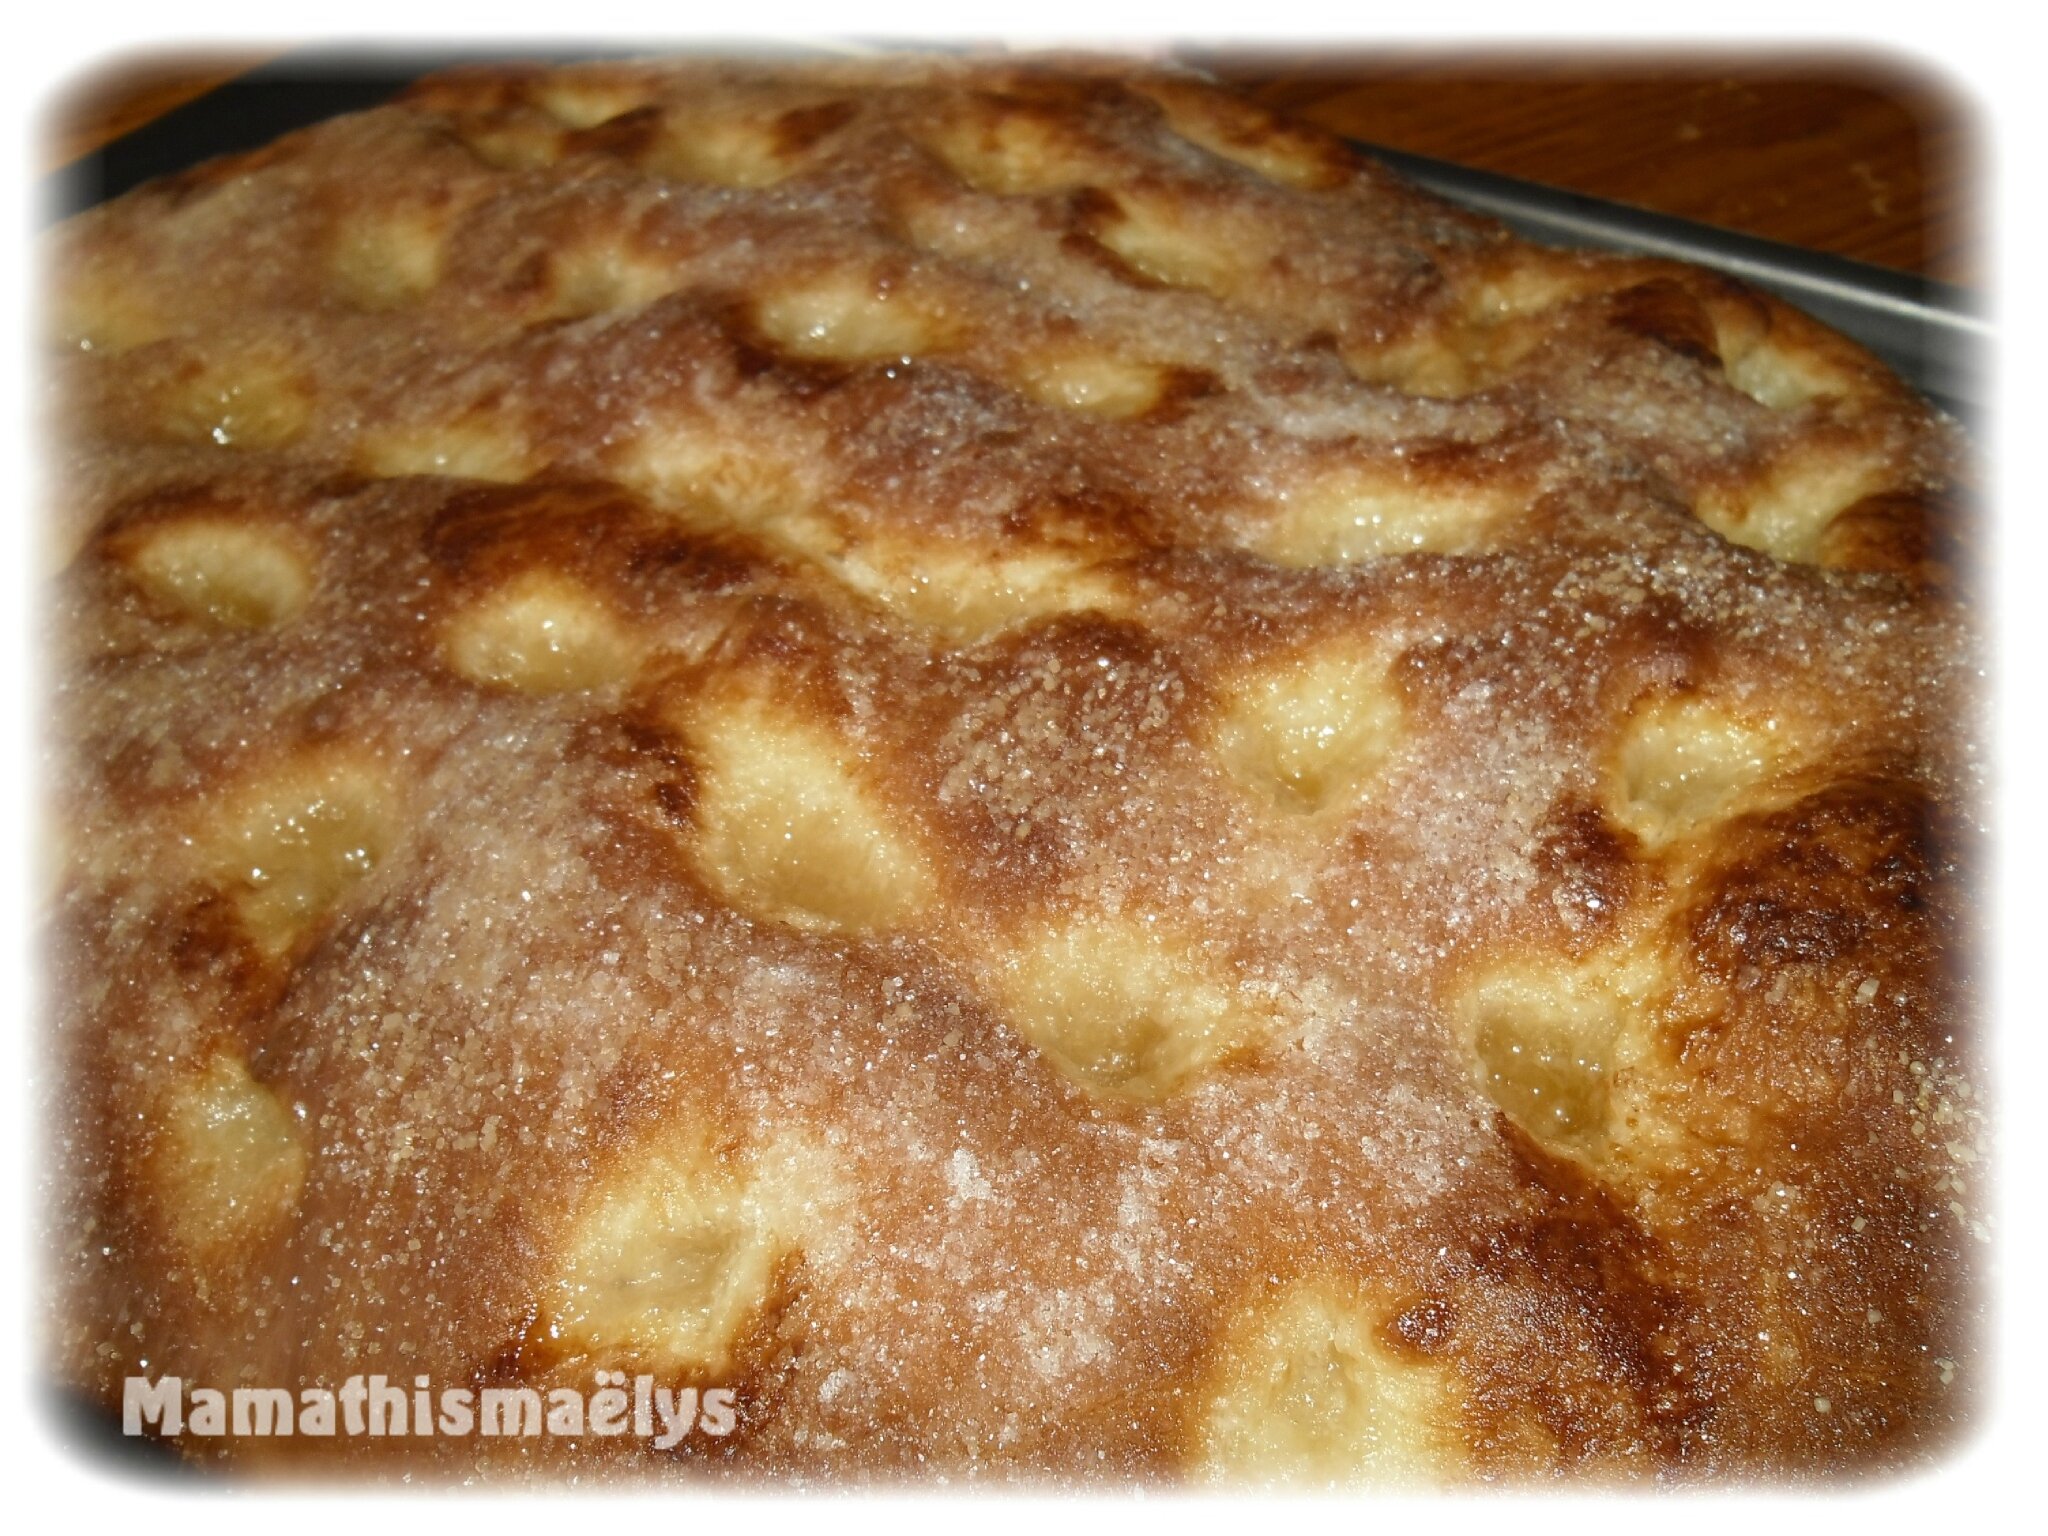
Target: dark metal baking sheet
1933 334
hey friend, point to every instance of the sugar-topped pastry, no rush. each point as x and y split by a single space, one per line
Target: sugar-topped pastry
1012 770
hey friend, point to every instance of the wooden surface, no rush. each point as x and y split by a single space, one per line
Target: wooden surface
118 100
1858 156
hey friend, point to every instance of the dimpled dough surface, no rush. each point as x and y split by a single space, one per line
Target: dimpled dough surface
1011 757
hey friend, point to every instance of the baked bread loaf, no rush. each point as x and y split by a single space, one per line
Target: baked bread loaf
1015 761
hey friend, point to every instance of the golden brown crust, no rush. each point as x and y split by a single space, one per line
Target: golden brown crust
1019 759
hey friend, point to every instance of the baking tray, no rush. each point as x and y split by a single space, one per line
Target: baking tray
1933 334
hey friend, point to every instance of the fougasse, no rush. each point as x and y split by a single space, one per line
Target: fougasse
942 769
